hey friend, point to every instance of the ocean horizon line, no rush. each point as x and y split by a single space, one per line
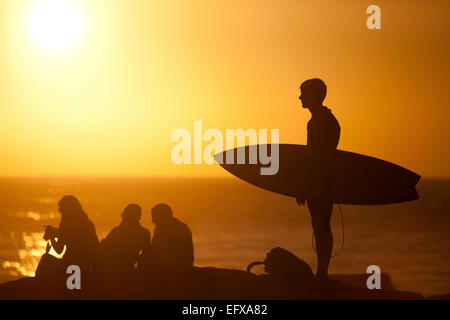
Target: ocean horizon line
143 177
222 176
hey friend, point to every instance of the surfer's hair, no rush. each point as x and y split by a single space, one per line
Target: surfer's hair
316 86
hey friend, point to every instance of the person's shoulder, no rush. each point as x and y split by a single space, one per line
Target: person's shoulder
112 234
115 230
182 225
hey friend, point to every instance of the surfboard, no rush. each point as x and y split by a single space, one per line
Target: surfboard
341 176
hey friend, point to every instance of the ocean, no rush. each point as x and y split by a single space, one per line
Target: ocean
234 223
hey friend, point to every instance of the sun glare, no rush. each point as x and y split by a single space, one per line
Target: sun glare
56 25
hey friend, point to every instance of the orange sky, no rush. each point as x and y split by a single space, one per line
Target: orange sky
142 69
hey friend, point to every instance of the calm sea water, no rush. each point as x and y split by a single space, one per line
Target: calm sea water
234 223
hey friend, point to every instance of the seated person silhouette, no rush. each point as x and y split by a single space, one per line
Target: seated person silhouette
76 234
172 247
120 251
323 135
122 246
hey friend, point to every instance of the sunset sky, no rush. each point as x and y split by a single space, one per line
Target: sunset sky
104 98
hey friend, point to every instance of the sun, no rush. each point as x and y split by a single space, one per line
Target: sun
57 25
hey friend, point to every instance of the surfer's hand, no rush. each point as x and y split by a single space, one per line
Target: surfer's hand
301 200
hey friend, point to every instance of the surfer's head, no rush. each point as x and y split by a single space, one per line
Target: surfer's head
161 213
312 93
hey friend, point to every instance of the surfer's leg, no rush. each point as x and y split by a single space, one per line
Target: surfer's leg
320 217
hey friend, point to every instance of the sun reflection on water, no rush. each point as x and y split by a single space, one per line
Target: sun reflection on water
29 256
34 215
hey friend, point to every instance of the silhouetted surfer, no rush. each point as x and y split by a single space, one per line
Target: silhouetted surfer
323 134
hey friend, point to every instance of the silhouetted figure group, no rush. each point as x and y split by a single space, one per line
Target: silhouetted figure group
128 261
128 264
